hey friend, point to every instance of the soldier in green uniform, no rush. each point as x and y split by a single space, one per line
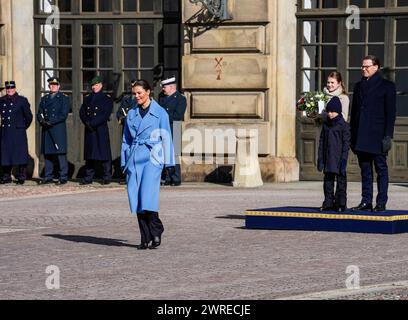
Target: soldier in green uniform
95 113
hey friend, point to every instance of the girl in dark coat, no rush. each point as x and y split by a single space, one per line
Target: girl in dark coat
334 146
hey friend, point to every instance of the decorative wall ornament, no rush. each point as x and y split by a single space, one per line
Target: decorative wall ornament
217 8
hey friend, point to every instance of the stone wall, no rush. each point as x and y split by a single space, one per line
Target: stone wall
17 58
240 75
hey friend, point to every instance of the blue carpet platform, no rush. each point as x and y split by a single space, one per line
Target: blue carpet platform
311 219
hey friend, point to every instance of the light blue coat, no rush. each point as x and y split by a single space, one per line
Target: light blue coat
146 147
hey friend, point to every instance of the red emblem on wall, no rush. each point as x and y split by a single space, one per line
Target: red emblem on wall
218 67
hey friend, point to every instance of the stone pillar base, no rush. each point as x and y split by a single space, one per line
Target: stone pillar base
279 169
246 170
273 169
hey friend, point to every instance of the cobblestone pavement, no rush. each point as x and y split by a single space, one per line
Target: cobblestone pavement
32 189
88 233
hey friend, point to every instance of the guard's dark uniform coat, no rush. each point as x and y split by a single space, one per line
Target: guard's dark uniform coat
16 117
175 105
95 113
373 114
55 111
126 104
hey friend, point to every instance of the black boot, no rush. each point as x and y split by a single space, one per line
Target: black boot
326 207
379 208
142 246
340 208
155 243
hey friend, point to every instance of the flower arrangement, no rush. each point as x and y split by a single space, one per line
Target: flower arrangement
312 103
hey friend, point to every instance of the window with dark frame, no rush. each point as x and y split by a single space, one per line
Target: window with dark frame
56 56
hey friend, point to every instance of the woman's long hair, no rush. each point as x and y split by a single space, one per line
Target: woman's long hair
337 75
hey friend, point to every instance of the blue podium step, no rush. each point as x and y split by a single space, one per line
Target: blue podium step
311 219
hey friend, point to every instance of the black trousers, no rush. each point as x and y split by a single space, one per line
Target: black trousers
150 226
21 176
338 198
366 162
175 177
90 169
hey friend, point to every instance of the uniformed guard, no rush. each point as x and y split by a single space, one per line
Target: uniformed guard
95 113
16 117
127 103
52 115
175 104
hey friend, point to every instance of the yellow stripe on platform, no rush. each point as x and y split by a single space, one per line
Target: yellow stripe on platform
325 216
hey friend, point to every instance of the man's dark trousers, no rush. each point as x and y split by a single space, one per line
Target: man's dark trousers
173 176
340 197
366 161
176 174
50 159
90 170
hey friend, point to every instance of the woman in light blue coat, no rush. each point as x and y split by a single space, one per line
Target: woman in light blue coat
146 148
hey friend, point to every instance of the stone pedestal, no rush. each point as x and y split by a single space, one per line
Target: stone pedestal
247 172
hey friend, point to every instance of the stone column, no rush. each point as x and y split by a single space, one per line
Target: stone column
6 39
23 67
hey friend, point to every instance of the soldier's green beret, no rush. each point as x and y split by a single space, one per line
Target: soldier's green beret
96 80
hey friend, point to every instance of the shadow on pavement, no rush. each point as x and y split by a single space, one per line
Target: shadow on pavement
92 240
232 216
401 185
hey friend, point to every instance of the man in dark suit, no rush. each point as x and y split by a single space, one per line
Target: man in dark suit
175 104
52 115
372 123
16 117
95 113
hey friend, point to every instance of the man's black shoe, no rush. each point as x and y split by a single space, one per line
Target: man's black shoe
84 182
20 181
106 182
122 183
155 243
165 183
45 182
363 207
142 246
379 208
61 182
5 181
175 184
